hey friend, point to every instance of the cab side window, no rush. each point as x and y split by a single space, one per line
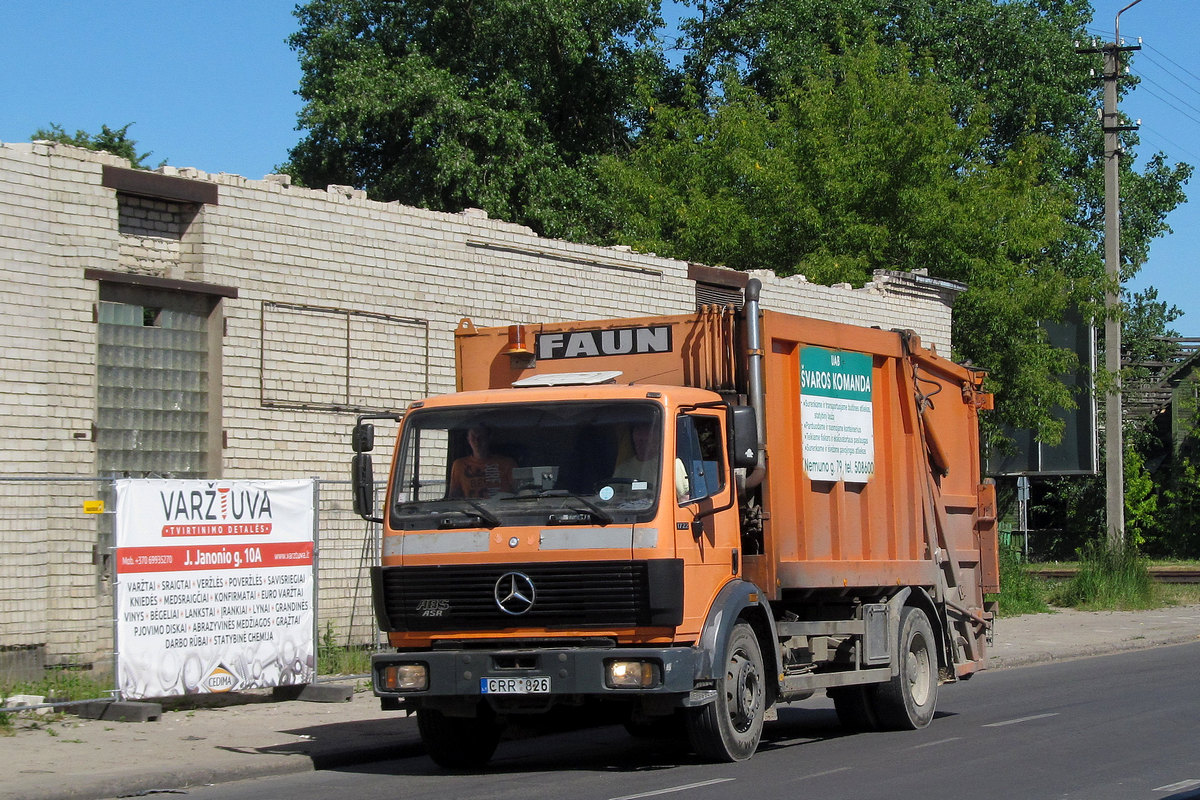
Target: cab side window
700 465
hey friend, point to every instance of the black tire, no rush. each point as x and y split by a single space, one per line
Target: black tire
458 742
730 727
855 706
908 700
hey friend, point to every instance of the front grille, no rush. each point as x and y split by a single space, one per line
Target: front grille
589 594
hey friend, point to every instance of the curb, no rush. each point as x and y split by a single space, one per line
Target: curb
1035 658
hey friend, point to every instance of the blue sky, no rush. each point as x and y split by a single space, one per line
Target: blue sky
211 84
1167 101
207 83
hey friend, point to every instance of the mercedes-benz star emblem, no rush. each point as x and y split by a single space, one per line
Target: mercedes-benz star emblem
514 593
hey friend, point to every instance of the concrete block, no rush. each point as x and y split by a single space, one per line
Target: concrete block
25 701
119 711
315 693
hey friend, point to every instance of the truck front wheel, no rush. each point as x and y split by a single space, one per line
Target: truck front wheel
730 727
907 701
459 742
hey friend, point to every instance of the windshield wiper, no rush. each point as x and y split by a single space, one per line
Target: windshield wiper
446 518
488 517
477 512
597 512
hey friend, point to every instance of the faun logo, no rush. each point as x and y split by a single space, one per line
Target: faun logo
216 504
614 342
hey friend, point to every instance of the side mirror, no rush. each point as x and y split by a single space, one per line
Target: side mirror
745 444
362 440
362 484
362 473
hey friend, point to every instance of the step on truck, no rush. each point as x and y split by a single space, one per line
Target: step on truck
684 520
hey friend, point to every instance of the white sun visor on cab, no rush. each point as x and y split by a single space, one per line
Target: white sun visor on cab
569 379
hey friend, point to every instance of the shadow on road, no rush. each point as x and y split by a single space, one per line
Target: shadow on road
565 743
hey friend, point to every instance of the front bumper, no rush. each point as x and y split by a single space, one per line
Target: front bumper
572 671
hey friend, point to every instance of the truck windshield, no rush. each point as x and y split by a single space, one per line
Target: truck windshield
528 464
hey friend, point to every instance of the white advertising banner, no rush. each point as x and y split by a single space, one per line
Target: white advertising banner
837 420
215 586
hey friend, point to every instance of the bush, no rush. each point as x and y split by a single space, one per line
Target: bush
1181 514
335 659
1108 579
62 684
1020 592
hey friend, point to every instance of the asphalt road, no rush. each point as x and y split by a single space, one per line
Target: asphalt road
1121 726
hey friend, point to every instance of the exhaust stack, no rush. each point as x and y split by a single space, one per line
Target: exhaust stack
755 355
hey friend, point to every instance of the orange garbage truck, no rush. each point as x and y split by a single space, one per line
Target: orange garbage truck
684 520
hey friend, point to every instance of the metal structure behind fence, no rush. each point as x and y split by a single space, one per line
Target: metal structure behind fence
347 547
56 575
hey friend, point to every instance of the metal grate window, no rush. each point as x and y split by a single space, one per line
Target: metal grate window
708 294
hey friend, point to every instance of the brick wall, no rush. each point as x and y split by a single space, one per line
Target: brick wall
342 302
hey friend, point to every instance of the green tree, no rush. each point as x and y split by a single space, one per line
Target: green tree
1170 444
497 104
109 140
1149 345
860 165
1181 513
1016 59
1146 332
1141 499
1010 67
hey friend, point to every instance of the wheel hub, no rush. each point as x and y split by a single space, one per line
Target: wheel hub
745 694
917 667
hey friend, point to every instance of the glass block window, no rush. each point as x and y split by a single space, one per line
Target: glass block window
152 415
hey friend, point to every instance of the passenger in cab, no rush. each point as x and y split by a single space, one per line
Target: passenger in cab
480 474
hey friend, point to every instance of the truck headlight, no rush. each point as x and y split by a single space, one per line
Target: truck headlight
631 674
404 677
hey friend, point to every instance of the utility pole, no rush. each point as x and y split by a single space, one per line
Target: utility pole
1114 447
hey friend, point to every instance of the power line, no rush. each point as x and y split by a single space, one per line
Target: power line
1177 64
1153 133
1170 74
1167 102
1174 103
1166 70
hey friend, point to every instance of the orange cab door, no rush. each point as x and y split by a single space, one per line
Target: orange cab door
706 535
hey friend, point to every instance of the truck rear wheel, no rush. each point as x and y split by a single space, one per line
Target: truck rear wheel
907 701
458 742
730 727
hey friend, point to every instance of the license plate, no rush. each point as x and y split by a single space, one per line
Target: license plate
539 685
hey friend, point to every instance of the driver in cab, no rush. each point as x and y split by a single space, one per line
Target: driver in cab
640 463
